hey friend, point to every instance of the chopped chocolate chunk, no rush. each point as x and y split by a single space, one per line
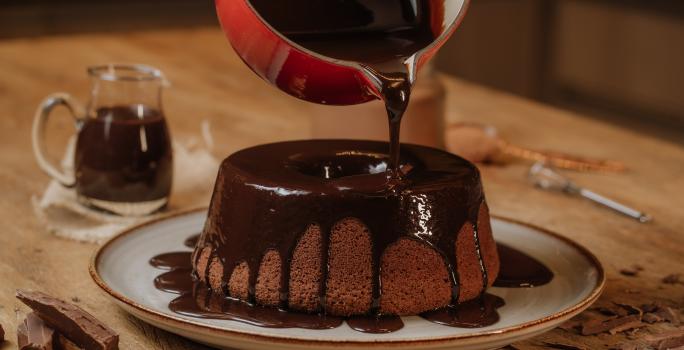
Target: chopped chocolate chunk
667 340
33 334
570 325
627 346
618 309
71 321
76 299
554 345
630 309
596 326
668 314
650 317
631 271
674 278
518 347
2 334
657 312
627 326
633 333
652 307
607 311
63 343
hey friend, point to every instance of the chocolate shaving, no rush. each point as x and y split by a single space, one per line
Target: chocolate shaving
518 347
596 326
674 278
668 314
554 345
631 271
71 321
667 340
607 311
63 343
630 309
632 333
627 326
33 334
652 307
657 312
570 325
650 317
618 309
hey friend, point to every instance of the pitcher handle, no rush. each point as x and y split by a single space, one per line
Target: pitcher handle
38 133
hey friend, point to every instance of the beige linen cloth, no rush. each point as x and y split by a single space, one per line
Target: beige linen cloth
194 173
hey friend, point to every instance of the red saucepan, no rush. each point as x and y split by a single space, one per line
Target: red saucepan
311 76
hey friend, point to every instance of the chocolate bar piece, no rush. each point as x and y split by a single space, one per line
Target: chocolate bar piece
596 326
63 343
33 334
71 321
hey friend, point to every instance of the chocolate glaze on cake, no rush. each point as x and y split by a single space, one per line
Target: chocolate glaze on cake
279 210
197 300
518 270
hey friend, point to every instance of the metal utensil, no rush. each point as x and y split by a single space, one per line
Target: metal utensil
545 177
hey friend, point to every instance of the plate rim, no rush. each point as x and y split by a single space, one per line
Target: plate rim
180 322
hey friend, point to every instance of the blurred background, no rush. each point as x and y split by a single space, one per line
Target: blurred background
617 60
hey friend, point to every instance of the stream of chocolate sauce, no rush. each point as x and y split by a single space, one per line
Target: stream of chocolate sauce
383 37
518 270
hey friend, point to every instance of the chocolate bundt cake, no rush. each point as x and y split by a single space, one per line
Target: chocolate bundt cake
314 226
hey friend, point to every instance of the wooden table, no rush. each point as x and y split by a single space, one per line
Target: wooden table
210 82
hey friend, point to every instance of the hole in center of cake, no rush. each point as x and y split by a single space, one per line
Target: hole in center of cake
341 164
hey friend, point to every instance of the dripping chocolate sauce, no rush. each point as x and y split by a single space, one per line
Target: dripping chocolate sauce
518 270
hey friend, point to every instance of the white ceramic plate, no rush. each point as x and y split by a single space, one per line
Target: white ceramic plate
120 267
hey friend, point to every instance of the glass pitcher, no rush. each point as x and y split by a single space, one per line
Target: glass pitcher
123 160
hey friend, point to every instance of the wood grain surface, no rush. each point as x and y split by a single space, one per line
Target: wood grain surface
211 83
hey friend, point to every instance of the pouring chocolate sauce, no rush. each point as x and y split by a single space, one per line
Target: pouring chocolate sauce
382 36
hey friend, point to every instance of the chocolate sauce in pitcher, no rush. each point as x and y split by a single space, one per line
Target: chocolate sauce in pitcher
123 154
